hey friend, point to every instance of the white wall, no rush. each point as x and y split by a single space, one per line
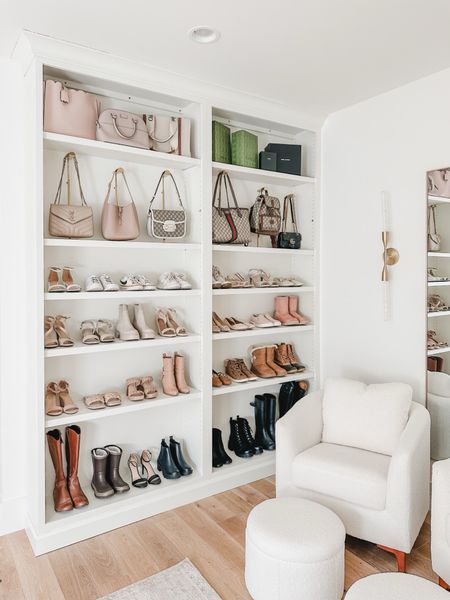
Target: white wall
14 270
385 143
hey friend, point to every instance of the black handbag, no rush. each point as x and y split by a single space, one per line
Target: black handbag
290 240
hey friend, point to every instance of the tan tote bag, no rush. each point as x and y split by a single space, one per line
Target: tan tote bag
69 220
119 221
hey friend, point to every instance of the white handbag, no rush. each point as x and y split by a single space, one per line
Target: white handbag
439 183
434 239
169 134
122 127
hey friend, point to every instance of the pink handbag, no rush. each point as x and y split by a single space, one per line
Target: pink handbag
121 127
119 221
68 111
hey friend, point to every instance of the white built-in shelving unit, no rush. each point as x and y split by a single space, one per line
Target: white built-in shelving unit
105 367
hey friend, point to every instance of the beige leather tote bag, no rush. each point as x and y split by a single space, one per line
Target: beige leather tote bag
68 111
119 221
122 127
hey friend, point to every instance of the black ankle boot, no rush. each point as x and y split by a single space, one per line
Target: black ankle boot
165 462
219 456
237 442
270 414
262 435
248 435
178 458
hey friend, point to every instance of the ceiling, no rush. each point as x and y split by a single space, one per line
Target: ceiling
317 55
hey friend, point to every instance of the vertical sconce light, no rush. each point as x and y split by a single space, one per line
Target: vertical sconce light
390 255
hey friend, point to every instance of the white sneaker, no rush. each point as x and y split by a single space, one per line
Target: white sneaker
183 281
131 283
145 282
168 281
93 284
108 284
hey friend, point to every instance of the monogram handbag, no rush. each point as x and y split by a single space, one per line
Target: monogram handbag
165 223
69 220
439 183
434 239
291 240
265 215
169 134
229 225
69 111
122 127
119 221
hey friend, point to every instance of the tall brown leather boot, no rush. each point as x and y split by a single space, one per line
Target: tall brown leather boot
61 497
259 366
73 434
270 356
282 359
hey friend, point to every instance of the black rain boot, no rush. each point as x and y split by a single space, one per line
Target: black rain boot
165 462
219 456
247 434
237 443
261 434
178 458
270 414
112 472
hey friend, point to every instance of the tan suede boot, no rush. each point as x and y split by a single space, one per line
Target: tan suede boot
168 376
282 311
270 356
281 358
259 365
293 311
180 378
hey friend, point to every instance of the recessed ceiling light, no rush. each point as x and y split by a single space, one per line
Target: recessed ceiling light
203 34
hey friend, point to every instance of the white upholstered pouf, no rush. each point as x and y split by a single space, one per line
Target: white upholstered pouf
395 586
294 550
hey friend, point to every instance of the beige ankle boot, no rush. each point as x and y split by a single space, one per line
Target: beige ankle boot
180 379
259 366
125 329
169 384
139 323
282 311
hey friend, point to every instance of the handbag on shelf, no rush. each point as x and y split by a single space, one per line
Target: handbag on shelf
122 127
230 225
69 220
119 221
165 223
169 134
439 183
289 240
434 239
265 215
68 111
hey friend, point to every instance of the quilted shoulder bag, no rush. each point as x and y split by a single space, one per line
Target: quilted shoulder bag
434 239
265 215
69 220
230 225
291 240
439 183
119 221
165 223
122 127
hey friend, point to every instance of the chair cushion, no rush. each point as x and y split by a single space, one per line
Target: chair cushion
370 417
350 474
439 383
395 586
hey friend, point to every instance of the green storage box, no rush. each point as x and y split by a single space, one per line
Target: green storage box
221 143
244 149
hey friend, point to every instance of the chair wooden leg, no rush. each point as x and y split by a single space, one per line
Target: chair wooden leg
400 556
444 585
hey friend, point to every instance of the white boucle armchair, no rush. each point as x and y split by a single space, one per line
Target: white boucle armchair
440 522
364 452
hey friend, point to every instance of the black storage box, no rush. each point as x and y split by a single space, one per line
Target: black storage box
268 161
289 157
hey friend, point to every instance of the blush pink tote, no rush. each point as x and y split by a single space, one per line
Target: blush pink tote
119 221
68 111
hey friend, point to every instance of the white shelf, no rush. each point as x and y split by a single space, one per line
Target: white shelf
260 250
438 283
127 406
121 295
99 244
56 141
261 383
257 332
439 313
264 290
262 176
438 200
118 346
439 254
438 351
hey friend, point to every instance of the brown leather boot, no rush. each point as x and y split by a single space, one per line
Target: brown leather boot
169 384
294 359
259 365
282 311
73 435
61 497
270 356
294 312
241 364
180 378
281 358
234 372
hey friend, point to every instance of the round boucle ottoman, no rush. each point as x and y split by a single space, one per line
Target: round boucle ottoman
395 586
294 550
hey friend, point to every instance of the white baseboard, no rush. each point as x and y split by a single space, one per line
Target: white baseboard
12 515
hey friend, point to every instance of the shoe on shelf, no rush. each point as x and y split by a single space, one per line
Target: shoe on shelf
236 325
275 322
216 382
294 311
233 370
53 407
147 469
112 470
237 442
223 378
148 387
147 285
270 361
89 333
68 405
282 282
92 283
165 329
112 398
180 376
270 414
73 442
62 500
173 322
139 323
260 278
67 277
281 358
168 281
282 311
218 280
215 328
168 381
95 401
183 280
260 320
294 359
245 370
177 456
124 329
105 331
54 283
248 436
99 483
133 392
165 462
108 284
433 275
219 455
433 343
296 282
50 337
259 366
131 283
263 412
137 480
220 323
59 326
436 303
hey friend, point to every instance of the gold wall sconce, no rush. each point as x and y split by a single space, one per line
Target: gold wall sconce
391 256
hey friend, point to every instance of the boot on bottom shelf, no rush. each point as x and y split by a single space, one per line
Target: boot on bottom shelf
237 442
165 462
61 497
262 436
290 393
270 414
178 458
247 434
219 456
112 470
99 483
73 437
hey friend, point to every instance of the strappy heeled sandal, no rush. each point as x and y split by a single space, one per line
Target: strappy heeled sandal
179 329
68 281
221 324
52 405
218 280
105 331
432 343
54 284
94 401
112 398
148 388
147 470
133 393
89 333
69 406
61 331
436 304
50 337
433 276
136 479
163 325
257 278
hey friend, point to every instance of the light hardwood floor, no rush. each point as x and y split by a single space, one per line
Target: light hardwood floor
209 532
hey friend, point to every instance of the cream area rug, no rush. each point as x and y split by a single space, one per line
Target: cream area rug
180 582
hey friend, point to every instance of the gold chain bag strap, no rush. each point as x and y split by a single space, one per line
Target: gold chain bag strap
69 220
434 239
165 223
119 221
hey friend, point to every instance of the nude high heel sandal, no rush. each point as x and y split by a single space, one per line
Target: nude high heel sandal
180 378
165 329
149 389
68 281
69 406
50 337
61 331
168 382
52 406
54 284
133 392
172 316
